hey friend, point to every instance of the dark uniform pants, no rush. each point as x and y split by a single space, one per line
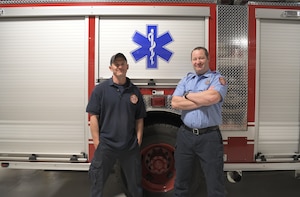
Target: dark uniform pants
102 163
208 148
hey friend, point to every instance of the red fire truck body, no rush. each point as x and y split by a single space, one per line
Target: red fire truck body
53 53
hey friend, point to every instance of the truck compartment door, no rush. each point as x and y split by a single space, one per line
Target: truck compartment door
278 83
42 86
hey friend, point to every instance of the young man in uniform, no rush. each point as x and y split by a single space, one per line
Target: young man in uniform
200 96
117 110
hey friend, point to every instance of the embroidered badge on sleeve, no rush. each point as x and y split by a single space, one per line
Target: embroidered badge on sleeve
222 81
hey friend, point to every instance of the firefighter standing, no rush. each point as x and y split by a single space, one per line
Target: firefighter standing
200 96
116 109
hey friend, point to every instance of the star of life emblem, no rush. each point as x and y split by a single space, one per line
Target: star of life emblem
152 46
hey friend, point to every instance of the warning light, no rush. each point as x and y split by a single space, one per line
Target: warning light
4 165
158 101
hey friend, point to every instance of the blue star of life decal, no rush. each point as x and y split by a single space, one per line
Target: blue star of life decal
152 46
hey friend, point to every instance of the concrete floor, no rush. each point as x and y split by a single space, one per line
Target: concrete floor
39 183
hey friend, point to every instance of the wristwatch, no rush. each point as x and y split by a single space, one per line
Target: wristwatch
185 95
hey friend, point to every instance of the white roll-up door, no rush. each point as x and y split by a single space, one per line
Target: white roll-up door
156 47
184 35
278 85
42 85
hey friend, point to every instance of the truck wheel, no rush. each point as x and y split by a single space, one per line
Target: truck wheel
158 164
157 150
157 159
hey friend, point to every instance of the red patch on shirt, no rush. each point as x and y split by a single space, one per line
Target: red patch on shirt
134 99
222 80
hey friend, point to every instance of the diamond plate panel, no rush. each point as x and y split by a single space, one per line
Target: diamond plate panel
232 61
167 107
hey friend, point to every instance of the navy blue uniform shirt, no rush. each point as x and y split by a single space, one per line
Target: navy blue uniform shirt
205 116
118 108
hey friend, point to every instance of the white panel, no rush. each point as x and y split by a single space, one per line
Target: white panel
42 87
104 11
116 35
278 91
277 14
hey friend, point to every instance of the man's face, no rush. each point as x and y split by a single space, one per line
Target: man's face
200 61
119 67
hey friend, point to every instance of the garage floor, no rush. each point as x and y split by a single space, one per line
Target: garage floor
39 183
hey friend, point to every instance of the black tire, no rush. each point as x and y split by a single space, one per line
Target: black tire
157 149
163 136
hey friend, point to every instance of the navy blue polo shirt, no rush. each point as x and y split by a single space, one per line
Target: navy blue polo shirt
118 108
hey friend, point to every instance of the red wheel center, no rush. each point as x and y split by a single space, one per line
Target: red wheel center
158 168
158 165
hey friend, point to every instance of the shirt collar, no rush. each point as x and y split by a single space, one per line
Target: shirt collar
126 85
193 75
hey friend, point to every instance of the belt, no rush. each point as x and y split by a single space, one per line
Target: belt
197 131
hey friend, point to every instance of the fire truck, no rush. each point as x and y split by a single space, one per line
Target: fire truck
54 52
